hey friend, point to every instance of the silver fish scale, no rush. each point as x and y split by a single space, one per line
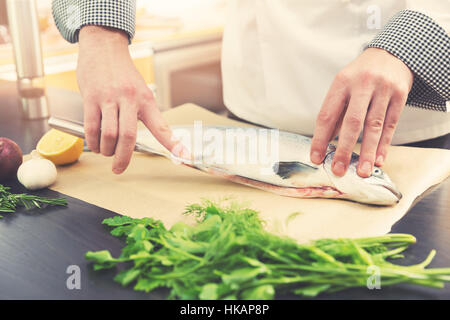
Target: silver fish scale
297 174
291 148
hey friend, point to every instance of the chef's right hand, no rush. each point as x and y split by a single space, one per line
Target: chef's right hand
115 97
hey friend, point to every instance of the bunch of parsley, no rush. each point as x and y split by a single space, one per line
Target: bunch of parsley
229 255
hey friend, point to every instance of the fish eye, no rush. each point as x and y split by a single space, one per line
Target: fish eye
376 172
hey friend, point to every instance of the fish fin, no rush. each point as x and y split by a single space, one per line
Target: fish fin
285 169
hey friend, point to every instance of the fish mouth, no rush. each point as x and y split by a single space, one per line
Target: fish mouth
395 192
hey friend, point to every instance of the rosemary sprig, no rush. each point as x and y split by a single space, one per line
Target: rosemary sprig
10 201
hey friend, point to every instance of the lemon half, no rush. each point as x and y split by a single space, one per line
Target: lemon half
60 147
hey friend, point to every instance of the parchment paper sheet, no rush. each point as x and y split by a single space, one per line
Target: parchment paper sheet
154 186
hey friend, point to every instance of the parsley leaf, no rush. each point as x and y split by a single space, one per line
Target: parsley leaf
229 255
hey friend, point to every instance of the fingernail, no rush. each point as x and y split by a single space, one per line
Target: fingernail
186 154
117 170
177 150
366 168
181 152
339 168
316 157
380 160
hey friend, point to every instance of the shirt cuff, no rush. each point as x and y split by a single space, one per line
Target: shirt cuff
71 15
424 47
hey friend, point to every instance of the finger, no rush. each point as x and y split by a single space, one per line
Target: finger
110 129
92 119
328 120
338 125
127 137
153 120
393 113
351 129
373 127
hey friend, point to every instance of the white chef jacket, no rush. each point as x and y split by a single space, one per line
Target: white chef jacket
280 57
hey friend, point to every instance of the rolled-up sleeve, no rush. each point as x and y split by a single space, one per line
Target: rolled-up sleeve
424 46
71 15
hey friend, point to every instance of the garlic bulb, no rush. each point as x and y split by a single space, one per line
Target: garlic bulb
37 173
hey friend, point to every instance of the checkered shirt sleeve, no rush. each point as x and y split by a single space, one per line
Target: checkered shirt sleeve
71 15
424 47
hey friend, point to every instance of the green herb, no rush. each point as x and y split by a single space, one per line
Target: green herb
9 201
229 255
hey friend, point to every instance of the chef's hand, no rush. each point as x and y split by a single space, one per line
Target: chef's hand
369 94
115 96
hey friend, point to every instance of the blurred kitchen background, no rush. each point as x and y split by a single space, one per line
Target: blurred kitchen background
176 48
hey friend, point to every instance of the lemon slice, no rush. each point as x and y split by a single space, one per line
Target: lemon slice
60 147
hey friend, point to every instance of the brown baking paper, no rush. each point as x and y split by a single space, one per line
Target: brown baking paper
154 186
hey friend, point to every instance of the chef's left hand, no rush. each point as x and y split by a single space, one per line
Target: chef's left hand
369 94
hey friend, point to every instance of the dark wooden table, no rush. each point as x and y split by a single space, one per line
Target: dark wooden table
37 246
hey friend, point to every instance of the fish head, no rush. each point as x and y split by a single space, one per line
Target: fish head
376 189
